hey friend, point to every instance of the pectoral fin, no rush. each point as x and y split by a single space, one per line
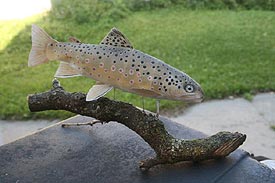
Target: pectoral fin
65 70
97 91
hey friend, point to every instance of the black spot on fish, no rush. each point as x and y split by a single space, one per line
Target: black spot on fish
99 57
144 67
148 73
137 69
97 52
114 61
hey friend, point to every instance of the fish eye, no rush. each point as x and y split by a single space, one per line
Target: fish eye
189 88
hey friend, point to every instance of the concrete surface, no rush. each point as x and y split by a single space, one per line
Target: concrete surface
110 153
253 118
13 130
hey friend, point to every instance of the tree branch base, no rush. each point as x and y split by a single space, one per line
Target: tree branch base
168 148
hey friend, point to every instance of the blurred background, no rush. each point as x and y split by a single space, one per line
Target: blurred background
228 46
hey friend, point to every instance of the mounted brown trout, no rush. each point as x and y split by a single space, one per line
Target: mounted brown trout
114 63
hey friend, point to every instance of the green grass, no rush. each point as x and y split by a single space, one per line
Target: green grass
227 52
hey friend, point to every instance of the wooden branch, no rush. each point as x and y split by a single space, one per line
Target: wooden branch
148 126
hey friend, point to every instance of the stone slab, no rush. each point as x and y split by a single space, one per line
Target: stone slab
110 153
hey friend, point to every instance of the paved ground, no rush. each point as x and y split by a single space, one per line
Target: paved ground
12 130
252 118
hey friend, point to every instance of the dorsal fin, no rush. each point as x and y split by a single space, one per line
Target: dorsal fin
116 38
74 40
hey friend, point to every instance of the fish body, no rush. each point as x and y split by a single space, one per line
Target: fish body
114 63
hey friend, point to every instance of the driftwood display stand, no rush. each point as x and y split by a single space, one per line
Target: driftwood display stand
168 149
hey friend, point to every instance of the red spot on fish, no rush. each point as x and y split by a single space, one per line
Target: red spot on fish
125 75
149 78
120 70
99 75
101 65
131 71
118 79
94 68
109 77
138 74
131 82
105 70
155 83
87 60
139 80
113 68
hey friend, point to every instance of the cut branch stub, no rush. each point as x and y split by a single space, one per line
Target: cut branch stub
148 126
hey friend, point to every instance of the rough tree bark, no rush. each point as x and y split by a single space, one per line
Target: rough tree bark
168 149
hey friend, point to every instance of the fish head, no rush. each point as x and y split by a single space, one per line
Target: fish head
190 91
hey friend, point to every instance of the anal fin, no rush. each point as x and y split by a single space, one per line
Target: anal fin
97 91
65 70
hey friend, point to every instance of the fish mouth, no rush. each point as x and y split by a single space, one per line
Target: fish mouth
192 98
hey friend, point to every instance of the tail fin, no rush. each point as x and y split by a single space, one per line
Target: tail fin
40 40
